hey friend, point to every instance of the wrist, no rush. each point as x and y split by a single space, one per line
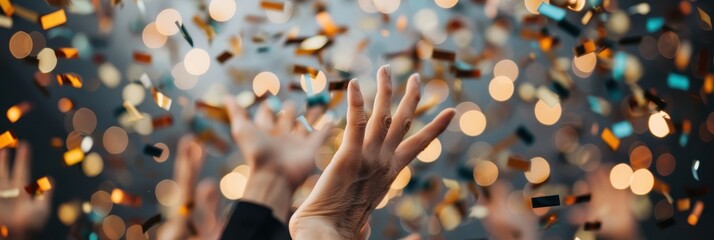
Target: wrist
270 190
313 229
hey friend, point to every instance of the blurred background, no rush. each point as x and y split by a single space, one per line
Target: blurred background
610 82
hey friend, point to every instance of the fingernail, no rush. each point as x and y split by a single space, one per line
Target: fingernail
387 70
356 84
417 77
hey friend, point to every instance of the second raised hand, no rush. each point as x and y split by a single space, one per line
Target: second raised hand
372 153
279 152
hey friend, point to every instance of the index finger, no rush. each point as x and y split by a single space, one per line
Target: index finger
21 170
236 114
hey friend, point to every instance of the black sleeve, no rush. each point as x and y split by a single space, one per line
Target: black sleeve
253 221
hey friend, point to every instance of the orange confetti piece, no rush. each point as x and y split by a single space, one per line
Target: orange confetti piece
118 196
73 157
276 6
14 113
70 79
68 53
7 139
142 57
683 204
708 86
3 231
7 7
44 184
327 24
213 112
53 19
610 139
696 213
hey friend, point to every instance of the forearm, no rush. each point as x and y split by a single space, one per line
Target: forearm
270 190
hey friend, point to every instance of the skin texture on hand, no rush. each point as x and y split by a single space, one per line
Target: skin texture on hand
372 153
21 214
203 197
279 151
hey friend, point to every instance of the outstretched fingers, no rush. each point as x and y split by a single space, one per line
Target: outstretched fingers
380 121
21 170
410 147
405 112
237 115
356 119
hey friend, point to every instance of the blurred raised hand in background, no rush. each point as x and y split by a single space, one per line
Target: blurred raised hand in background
20 212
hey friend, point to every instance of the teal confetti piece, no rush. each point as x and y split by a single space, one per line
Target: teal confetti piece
595 105
305 124
321 99
683 139
622 129
552 12
594 3
60 32
678 81
654 24
618 70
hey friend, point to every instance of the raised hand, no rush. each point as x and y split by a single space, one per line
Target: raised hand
197 204
279 151
20 212
372 153
503 223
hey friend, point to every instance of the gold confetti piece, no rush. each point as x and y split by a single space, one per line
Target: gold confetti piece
328 26
161 100
68 53
213 112
5 22
142 57
705 21
586 18
53 19
133 112
7 139
275 6
10 193
70 79
9 9
207 28
14 113
26 14
696 213
38 187
73 157
609 138
312 44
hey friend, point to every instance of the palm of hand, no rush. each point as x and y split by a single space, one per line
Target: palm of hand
21 213
277 144
372 153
